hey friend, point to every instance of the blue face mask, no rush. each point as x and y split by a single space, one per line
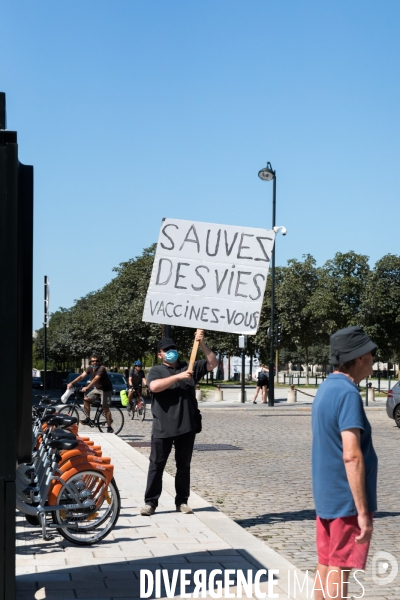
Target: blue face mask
94 366
171 356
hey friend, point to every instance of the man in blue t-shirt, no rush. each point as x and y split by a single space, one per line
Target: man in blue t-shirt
344 465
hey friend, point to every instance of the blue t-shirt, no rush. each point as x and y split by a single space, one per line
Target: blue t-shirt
338 406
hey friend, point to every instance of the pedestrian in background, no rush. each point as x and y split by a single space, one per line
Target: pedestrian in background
262 384
344 465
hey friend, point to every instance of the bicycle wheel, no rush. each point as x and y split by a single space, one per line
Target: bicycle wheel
70 410
117 420
79 526
141 409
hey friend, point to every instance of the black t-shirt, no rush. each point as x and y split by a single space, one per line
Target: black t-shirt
136 377
174 409
104 383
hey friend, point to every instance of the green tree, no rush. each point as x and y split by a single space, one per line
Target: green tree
337 298
380 313
37 363
301 327
108 321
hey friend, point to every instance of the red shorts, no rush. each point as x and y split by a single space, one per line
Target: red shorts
336 545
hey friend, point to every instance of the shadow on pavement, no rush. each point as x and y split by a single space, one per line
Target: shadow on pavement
268 518
301 515
116 578
289 414
382 514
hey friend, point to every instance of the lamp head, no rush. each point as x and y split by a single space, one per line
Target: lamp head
267 173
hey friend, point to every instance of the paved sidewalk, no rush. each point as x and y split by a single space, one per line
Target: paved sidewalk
168 540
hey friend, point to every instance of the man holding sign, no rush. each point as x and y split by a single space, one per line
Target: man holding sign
176 419
204 275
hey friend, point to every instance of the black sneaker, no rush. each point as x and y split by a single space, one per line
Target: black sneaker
85 421
110 430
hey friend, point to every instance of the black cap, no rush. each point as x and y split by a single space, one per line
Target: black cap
166 343
350 343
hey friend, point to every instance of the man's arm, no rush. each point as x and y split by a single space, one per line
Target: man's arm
212 361
84 389
355 471
159 385
82 376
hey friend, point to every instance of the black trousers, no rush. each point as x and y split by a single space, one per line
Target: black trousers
160 451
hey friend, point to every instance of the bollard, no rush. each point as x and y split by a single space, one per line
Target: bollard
240 396
371 393
219 394
199 394
292 395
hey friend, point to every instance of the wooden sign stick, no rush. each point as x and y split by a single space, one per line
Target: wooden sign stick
193 354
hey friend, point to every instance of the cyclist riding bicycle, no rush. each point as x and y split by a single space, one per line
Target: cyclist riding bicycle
136 377
102 390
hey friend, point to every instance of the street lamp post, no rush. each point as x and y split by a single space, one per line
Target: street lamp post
46 324
267 174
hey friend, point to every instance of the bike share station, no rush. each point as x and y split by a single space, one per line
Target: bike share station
16 244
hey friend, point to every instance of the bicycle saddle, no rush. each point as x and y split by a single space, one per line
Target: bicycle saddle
49 409
48 400
63 444
60 420
61 433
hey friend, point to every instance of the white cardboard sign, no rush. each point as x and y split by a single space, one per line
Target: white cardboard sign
209 276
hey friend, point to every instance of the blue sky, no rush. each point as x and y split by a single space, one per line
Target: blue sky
131 111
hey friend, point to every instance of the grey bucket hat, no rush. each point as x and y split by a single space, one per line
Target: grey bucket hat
350 343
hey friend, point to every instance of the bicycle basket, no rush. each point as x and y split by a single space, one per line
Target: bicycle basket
124 397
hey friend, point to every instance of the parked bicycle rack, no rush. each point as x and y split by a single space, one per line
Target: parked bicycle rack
68 479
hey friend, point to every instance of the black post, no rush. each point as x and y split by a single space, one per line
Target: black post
366 392
46 317
16 224
243 396
2 110
167 331
271 391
